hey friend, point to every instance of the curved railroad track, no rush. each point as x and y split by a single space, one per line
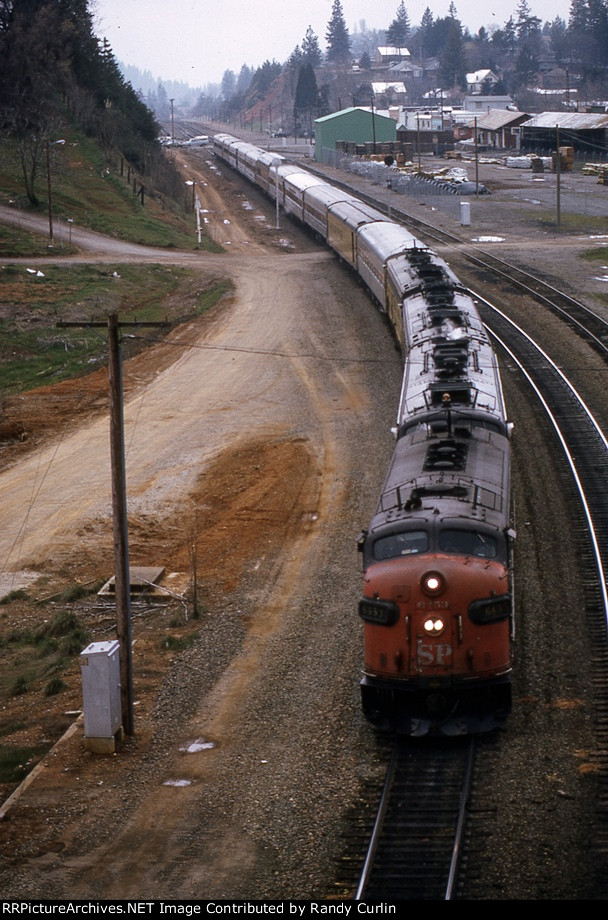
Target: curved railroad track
585 449
417 840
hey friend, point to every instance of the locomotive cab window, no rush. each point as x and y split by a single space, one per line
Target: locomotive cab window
405 543
468 543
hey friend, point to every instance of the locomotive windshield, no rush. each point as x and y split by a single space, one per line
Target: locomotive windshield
468 543
401 544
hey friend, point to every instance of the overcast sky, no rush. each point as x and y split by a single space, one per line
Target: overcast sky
195 41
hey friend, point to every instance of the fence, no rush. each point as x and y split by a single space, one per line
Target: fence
445 196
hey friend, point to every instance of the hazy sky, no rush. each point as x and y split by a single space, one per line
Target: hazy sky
195 41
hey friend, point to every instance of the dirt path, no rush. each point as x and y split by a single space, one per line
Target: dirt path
259 428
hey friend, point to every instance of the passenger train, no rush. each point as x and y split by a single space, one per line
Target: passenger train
437 598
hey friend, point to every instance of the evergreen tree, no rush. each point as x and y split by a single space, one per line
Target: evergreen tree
311 51
526 68
244 79
306 100
399 28
423 35
558 32
50 63
452 66
338 39
526 24
228 84
579 16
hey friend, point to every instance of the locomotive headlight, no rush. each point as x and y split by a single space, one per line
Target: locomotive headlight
433 626
433 584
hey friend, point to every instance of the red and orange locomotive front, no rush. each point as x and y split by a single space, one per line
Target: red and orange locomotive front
436 599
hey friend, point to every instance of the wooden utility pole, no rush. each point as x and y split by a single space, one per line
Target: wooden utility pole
121 535
119 513
558 173
48 185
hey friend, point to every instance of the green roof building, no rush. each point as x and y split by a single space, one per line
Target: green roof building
354 126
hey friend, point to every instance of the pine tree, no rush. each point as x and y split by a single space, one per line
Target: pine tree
311 52
399 28
423 35
338 39
306 100
452 66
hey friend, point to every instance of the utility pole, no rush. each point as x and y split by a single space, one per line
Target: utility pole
48 184
476 158
119 513
373 123
121 535
558 172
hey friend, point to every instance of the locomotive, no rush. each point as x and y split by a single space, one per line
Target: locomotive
437 599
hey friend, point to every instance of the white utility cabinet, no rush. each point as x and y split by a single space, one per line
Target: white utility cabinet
100 669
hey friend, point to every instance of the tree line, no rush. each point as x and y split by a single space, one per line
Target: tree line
54 71
516 52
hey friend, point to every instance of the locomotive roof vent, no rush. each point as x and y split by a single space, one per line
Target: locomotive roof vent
439 491
451 358
446 455
460 392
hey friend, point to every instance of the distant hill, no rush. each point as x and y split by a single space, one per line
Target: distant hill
145 83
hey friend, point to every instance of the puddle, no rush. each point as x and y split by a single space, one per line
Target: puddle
16 581
199 745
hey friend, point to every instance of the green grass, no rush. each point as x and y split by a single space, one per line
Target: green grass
16 762
93 190
35 658
597 254
35 349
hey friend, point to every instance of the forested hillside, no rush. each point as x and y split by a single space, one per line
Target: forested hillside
53 73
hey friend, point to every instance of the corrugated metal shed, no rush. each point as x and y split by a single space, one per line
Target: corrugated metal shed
583 131
496 119
356 125
570 121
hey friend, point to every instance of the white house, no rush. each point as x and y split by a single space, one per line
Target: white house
388 55
391 90
479 80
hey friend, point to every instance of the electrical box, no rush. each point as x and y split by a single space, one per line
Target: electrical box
100 669
465 213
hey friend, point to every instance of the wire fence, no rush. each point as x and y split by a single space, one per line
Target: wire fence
445 194
580 194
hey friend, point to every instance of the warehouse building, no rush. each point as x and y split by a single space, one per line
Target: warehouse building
585 132
356 126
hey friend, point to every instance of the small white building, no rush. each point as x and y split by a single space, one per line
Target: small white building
392 91
478 104
480 80
390 55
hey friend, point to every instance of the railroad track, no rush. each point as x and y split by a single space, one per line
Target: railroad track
413 849
577 315
584 447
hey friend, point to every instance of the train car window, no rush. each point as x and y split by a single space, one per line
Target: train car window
401 544
468 543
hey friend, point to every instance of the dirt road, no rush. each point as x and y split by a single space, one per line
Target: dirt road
265 427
